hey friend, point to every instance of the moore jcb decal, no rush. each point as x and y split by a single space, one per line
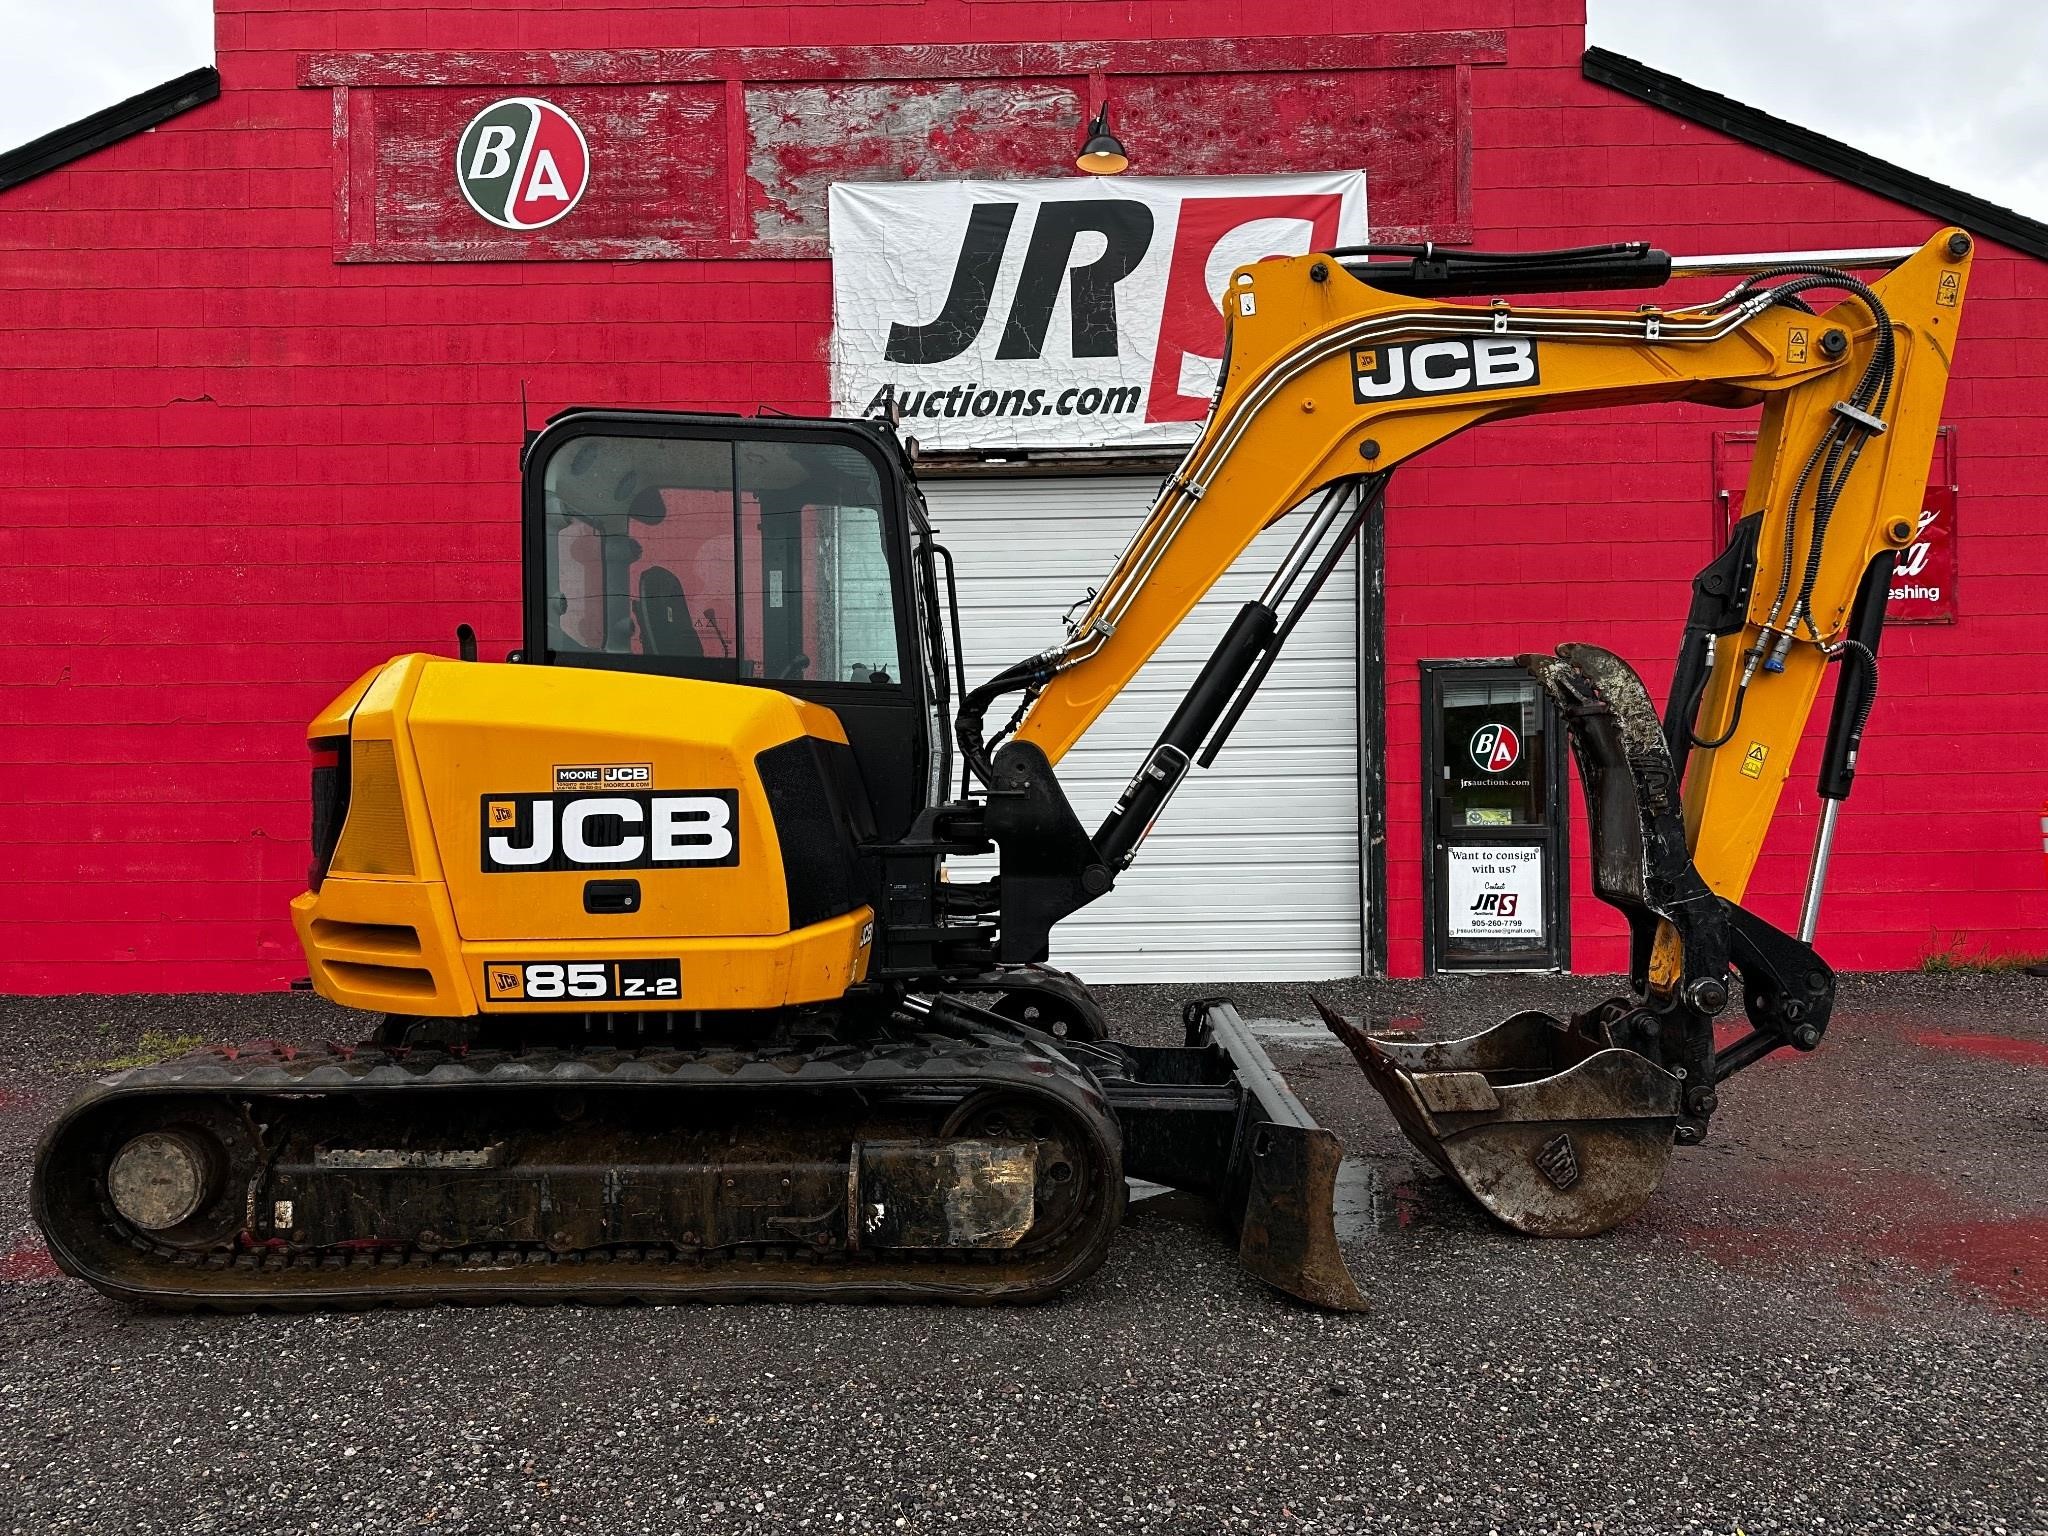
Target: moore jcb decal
584 777
624 829
597 981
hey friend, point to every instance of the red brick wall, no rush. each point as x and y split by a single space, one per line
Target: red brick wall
235 472
1590 529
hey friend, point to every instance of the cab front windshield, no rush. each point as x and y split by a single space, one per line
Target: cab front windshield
720 559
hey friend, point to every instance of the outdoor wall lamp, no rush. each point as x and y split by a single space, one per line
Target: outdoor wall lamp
1103 154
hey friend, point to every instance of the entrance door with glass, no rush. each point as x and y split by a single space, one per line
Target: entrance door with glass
1495 867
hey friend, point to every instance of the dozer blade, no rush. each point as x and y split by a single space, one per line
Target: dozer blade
1215 1117
1554 1133
1286 1165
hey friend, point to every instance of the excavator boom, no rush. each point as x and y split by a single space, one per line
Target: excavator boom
1336 371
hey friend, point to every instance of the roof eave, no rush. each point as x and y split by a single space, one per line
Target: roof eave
123 120
1817 151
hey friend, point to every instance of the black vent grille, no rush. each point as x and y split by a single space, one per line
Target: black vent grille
814 826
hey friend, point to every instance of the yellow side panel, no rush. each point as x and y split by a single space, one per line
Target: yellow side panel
813 965
500 747
389 946
454 764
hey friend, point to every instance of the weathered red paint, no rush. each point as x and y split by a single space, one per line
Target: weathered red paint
235 472
804 135
31 1261
1402 126
656 186
2004 1257
1276 55
668 128
1999 1258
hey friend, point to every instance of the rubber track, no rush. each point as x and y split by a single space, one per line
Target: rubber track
155 1274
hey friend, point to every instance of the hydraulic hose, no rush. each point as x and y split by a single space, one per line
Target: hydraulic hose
1029 676
1832 460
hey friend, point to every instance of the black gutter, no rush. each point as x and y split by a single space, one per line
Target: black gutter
156 105
1804 147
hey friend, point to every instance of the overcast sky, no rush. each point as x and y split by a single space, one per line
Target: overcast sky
1957 90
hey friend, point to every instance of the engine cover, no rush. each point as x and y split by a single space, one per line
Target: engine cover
529 837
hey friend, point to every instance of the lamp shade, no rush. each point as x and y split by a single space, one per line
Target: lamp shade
1103 154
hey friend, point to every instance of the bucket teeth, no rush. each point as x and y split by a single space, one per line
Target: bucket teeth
1554 1133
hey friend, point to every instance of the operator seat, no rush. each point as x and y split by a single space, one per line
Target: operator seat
666 628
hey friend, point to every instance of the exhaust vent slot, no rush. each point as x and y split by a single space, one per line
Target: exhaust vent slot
391 980
371 943
373 839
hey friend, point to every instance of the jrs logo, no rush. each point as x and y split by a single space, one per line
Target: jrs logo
522 163
622 830
1451 367
1062 313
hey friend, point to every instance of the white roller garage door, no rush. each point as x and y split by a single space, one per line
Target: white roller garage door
1252 873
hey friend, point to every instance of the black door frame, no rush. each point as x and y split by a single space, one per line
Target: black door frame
1372 736
1557 871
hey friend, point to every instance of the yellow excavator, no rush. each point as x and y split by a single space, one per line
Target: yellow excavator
678 1000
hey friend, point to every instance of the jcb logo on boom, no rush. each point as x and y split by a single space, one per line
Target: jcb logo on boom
1452 367
637 830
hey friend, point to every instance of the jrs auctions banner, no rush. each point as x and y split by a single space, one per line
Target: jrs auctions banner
1056 314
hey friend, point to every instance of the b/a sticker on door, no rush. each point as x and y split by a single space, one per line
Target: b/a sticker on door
594 981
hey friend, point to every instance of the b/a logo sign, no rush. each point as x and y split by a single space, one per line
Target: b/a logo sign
522 163
1078 313
1496 748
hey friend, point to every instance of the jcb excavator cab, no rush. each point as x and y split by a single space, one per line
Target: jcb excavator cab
793 556
778 552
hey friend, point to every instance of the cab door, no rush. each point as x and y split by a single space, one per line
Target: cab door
769 552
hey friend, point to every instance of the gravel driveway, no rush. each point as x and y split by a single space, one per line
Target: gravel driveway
1834 1318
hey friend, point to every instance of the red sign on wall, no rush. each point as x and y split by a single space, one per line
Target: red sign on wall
719 153
1924 583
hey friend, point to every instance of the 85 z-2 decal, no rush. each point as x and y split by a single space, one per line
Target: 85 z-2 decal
622 829
557 981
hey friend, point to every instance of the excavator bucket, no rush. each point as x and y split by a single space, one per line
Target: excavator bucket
1553 1132
1563 1130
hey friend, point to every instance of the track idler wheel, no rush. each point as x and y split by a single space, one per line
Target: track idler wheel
1554 1133
1055 1002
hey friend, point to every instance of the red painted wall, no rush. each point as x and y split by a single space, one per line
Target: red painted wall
235 471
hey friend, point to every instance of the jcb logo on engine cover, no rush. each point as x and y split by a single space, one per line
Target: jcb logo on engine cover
1451 367
627 829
